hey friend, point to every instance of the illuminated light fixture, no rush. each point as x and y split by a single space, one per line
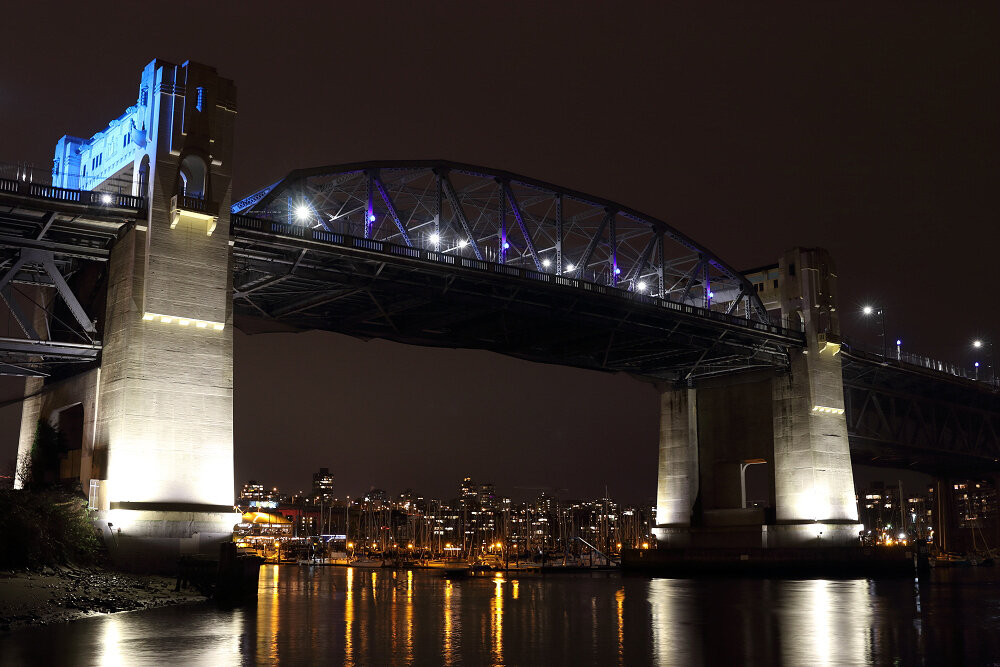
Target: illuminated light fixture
301 212
183 321
832 411
977 344
899 341
711 295
435 238
371 217
546 262
617 271
105 198
506 245
462 243
641 287
570 267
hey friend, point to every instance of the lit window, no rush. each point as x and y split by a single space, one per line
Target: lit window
200 101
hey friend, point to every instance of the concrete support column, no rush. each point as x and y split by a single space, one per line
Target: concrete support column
945 514
677 475
813 478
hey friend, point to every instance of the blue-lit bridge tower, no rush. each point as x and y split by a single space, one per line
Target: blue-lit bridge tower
158 412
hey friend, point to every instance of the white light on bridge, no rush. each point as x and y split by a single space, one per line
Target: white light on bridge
435 238
833 411
546 262
977 344
867 310
462 243
570 267
105 198
641 287
301 212
183 321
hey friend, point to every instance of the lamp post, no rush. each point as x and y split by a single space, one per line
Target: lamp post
869 311
744 464
980 344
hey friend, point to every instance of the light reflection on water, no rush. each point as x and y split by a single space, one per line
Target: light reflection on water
363 617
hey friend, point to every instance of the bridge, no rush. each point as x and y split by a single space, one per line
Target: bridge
127 272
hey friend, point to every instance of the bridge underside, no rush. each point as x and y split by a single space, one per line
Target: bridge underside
309 279
54 247
900 416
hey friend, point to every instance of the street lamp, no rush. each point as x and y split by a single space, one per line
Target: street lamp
979 344
744 464
880 313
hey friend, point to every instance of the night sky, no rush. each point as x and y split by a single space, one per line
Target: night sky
871 132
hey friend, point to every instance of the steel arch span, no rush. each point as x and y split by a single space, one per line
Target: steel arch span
512 227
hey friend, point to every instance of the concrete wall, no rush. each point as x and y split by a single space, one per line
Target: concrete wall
734 424
45 401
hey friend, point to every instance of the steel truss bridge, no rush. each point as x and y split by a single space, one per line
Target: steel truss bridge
446 254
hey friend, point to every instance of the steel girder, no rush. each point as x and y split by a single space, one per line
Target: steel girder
51 240
923 420
558 231
309 278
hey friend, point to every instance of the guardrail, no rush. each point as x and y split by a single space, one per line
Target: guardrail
907 359
243 222
85 197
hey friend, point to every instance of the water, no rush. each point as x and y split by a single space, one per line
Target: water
330 615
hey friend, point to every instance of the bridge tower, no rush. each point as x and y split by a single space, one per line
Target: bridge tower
160 408
713 431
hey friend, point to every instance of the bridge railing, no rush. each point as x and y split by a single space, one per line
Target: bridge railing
85 197
907 359
242 222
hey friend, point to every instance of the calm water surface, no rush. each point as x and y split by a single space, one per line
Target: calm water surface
330 615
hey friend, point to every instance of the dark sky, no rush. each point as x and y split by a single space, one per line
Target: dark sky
872 132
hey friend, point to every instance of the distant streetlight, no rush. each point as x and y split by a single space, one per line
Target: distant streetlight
868 311
987 345
744 464
899 351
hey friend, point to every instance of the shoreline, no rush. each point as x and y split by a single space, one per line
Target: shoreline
62 594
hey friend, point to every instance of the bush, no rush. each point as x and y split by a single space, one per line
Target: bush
46 527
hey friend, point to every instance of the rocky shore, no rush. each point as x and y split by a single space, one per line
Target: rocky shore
56 595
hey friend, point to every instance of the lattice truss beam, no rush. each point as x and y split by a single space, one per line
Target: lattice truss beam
53 249
911 421
508 219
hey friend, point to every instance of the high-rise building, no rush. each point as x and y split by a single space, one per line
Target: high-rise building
323 485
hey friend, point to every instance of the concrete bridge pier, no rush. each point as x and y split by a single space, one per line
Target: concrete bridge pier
792 423
159 411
